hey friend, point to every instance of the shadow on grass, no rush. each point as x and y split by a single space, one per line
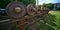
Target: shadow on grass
50 19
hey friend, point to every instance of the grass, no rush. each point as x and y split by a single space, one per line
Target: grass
57 18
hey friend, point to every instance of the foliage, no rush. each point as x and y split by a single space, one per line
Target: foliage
4 3
26 2
43 5
49 5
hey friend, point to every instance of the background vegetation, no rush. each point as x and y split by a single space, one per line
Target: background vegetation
4 3
49 5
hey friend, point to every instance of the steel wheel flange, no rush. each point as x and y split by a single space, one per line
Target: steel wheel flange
31 9
16 10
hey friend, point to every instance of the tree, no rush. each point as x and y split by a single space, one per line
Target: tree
50 5
4 3
43 5
26 2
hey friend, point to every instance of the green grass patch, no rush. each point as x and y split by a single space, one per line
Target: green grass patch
57 18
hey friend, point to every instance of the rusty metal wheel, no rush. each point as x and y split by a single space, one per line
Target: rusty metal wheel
16 9
31 9
39 11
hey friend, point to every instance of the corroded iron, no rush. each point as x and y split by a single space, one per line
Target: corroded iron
16 10
22 16
31 10
41 12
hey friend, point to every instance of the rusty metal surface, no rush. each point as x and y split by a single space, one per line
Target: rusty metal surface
37 12
21 15
13 7
7 23
31 10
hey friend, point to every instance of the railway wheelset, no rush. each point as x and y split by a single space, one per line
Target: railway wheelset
23 16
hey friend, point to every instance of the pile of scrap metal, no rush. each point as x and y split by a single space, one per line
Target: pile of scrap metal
20 15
